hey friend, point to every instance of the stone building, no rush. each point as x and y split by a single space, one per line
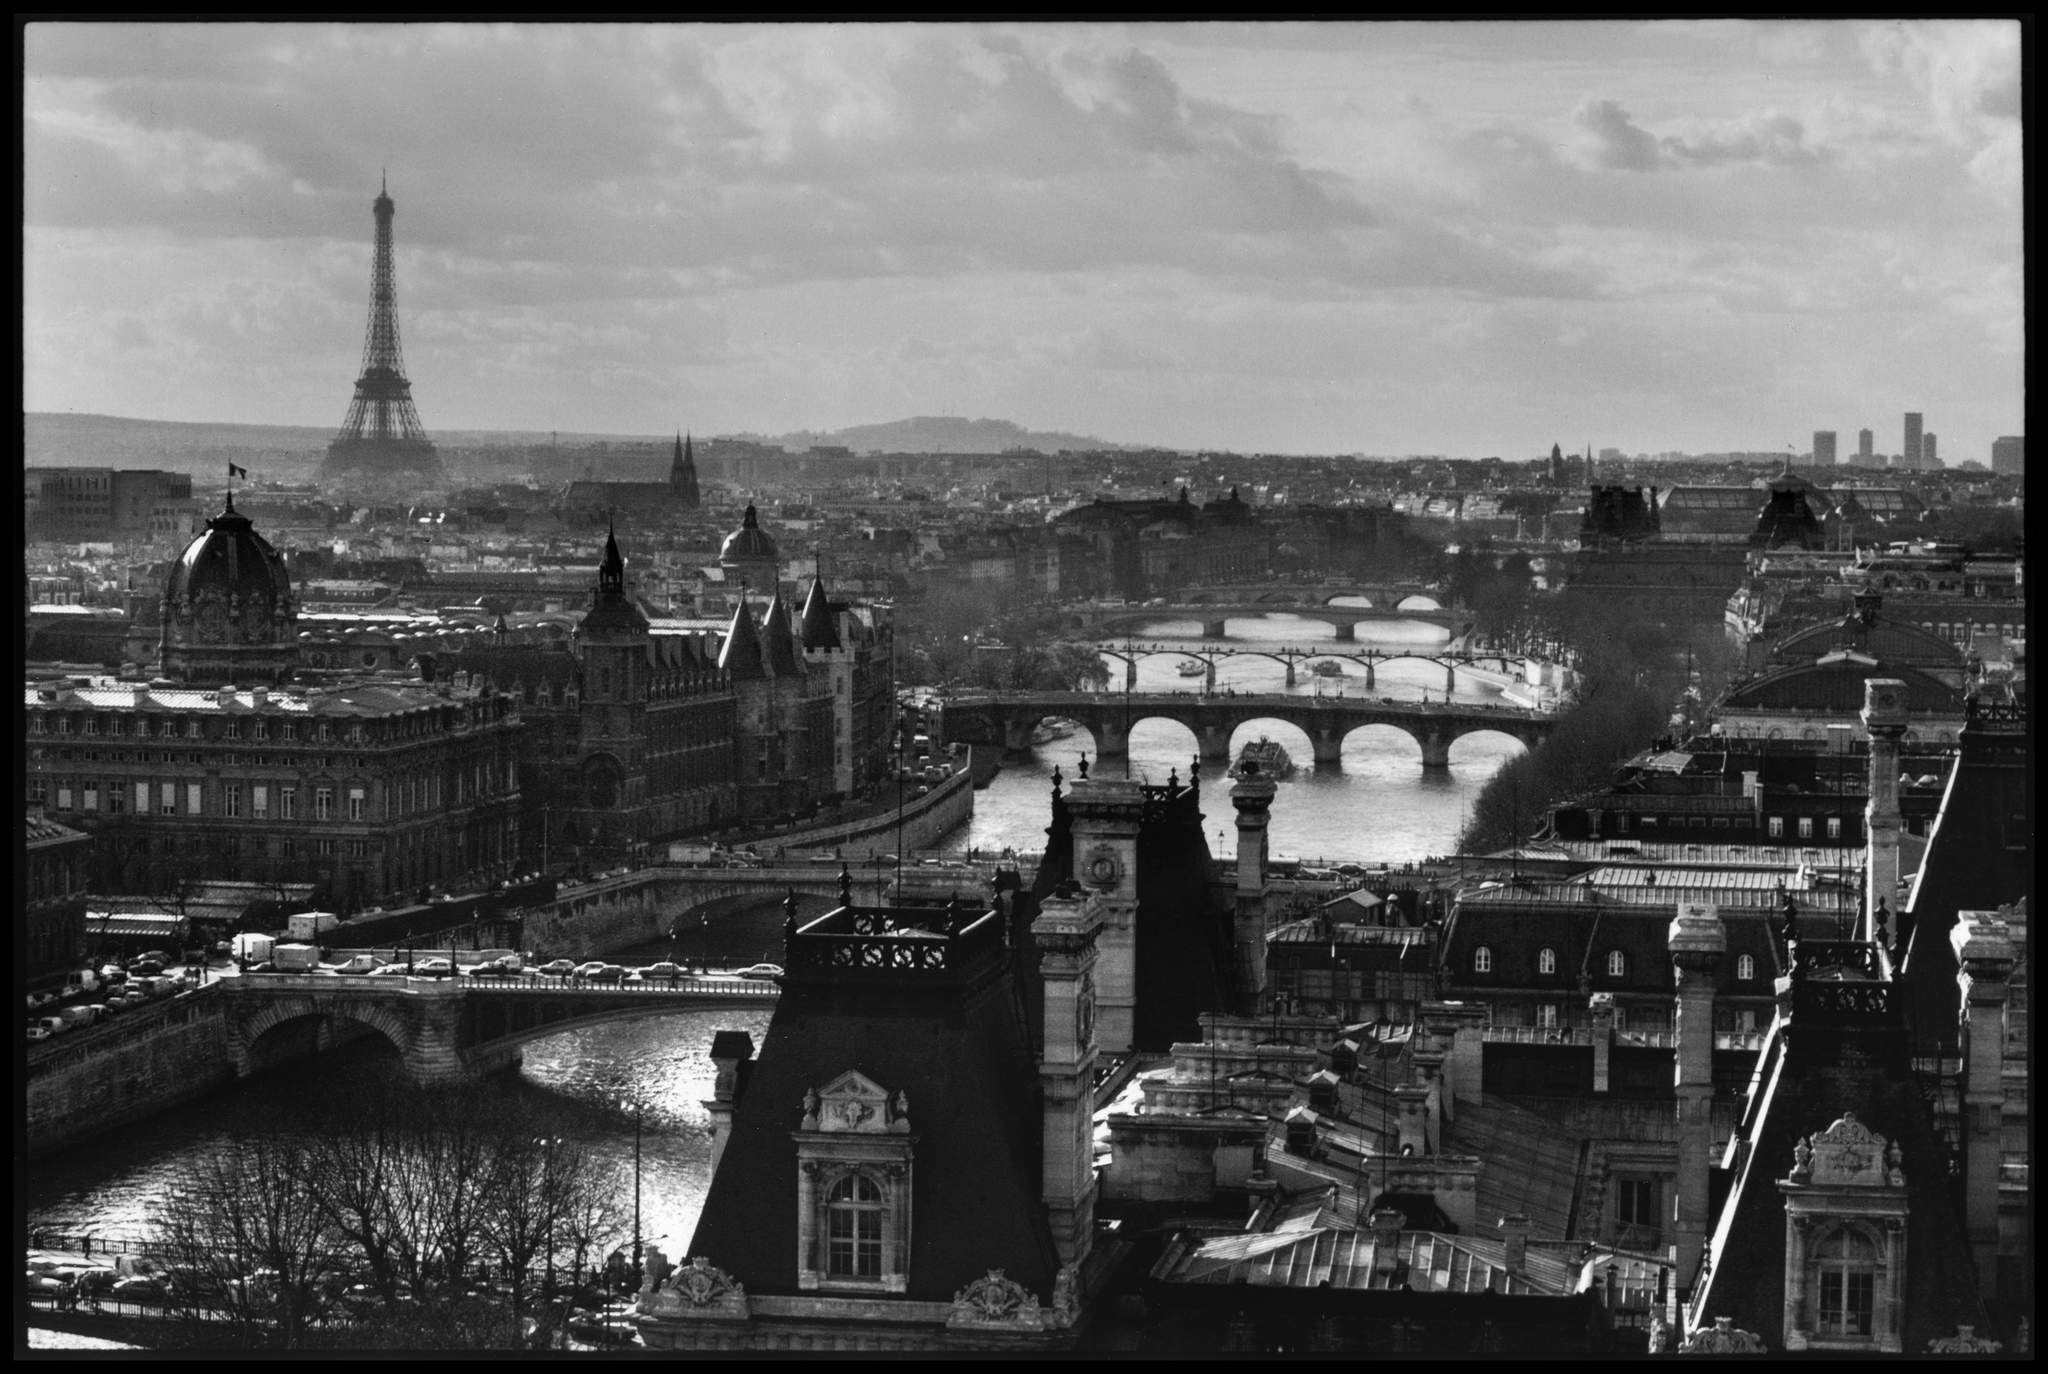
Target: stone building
56 869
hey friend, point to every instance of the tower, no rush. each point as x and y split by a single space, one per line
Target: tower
1253 799
1824 448
611 643
1697 941
228 614
381 442
1911 451
682 475
1865 444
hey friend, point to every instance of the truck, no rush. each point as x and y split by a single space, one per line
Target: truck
310 925
693 853
74 1017
295 958
252 948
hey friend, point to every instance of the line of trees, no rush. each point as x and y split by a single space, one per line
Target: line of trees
392 1218
1633 670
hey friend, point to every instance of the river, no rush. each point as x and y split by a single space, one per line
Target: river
1381 806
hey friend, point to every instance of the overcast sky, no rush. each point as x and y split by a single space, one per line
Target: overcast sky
1382 238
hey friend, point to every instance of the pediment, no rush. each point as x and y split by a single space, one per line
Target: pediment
855 1103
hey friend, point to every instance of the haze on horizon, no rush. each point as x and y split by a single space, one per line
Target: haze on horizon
1469 238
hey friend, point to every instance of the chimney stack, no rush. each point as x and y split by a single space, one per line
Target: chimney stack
1514 1235
1252 795
1602 1008
1985 959
1697 941
729 1050
1884 717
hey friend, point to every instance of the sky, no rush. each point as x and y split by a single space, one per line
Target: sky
1317 237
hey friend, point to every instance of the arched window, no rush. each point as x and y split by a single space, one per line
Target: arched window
853 1229
1546 960
1482 960
1617 963
1846 1266
1745 968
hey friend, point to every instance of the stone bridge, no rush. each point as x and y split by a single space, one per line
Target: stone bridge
1009 718
443 1028
1502 665
1312 603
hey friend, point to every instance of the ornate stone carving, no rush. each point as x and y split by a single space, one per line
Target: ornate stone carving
701 1283
1966 1341
899 1107
1849 1153
854 1103
1103 867
1722 1338
1066 1295
1802 1159
810 1122
995 1299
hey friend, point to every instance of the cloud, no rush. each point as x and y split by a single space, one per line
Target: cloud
1612 140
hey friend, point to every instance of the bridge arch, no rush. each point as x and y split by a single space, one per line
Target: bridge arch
1383 737
1289 735
1418 601
258 1042
1483 746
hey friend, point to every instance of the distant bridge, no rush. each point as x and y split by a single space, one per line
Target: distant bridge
446 1028
1504 665
1009 718
1215 618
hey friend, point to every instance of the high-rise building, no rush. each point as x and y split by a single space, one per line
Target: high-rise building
1864 442
1910 451
1823 448
2009 455
1928 460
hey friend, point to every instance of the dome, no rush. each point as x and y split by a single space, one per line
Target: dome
232 560
228 613
749 542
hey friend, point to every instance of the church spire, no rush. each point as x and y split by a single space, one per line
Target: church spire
611 573
682 474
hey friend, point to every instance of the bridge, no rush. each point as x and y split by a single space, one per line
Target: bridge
1007 719
1215 618
1504 665
444 1028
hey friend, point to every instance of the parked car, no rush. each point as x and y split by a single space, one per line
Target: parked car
488 971
661 972
141 1288
607 973
586 968
361 963
39 1032
760 971
397 970
434 968
557 968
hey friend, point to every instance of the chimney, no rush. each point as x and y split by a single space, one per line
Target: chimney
1985 958
259 697
1602 1007
225 696
730 1050
1751 787
1514 1235
1066 930
1252 795
1884 717
1697 941
1410 1107
1301 1132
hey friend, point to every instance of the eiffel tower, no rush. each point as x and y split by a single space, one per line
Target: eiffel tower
381 443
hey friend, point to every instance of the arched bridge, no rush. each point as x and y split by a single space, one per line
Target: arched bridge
1009 718
1214 608
448 1028
1290 657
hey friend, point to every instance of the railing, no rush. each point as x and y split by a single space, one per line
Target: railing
1538 1035
527 984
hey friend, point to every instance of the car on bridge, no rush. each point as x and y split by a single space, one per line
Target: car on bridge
760 971
493 969
667 971
361 963
557 968
606 973
434 968
397 969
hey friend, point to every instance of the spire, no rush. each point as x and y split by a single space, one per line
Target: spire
611 573
740 658
778 641
682 473
819 632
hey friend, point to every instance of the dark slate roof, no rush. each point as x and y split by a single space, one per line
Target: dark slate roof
1583 936
741 656
1803 1084
965 1061
1979 857
819 631
511 667
749 540
1887 640
1837 686
778 643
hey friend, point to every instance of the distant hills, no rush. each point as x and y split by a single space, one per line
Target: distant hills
75 440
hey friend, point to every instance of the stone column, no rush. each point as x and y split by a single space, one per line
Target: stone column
1252 796
1985 959
1347 632
1328 744
1410 1103
1436 748
1066 929
1884 718
1697 942
1105 838
1215 741
729 1049
1464 1026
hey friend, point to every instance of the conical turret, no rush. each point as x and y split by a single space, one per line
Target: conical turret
740 658
778 643
819 629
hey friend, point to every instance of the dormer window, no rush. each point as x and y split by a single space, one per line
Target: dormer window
1745 968
1846 1265
1546 960
1482 960
1617 963
854 1150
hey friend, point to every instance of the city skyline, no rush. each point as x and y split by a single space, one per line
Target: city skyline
1456 238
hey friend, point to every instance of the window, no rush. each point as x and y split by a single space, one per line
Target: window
38 790
1806 827
355 803
1745 968
1621 823
853 1229
1635 1212
1482 960
1847 1264
1546 1015
1546 960
1834 827
231 799
259 801
287 803
231 728
117 798
63 797
323 803
195 798
142 799
1617 963
1775 827
193 729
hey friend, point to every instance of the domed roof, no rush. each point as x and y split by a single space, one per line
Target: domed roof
749 541
230 559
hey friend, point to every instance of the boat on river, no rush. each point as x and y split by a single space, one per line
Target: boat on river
1327 667
1267 758
1189 668
1049 731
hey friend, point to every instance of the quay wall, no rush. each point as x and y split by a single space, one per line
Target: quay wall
153 1058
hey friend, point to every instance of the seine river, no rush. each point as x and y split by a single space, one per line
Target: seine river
1381 805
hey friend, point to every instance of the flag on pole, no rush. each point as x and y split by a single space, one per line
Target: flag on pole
235 471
